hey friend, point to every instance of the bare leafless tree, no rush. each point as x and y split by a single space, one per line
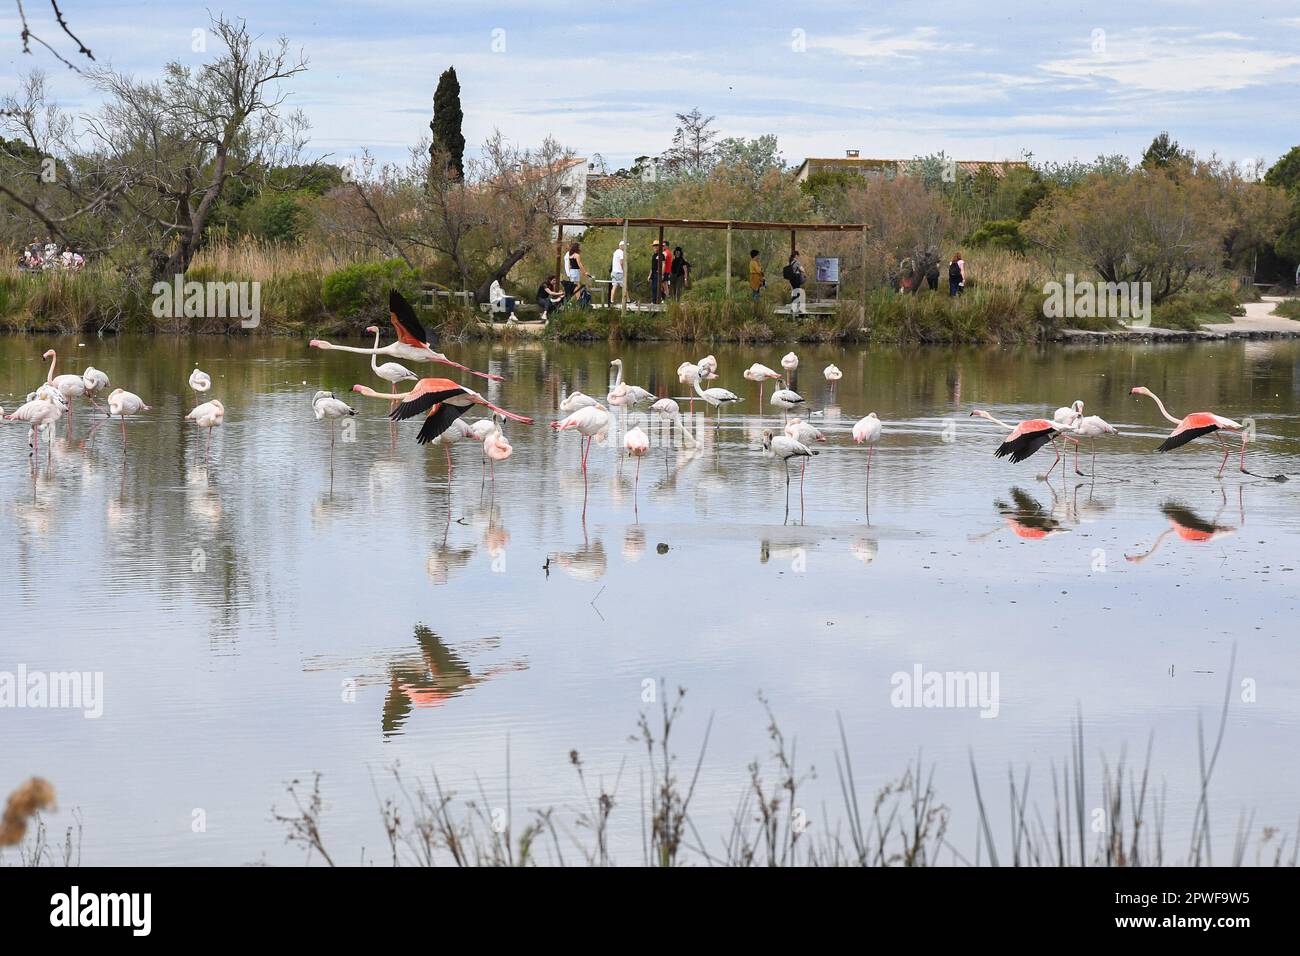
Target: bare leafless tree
148 169
480 225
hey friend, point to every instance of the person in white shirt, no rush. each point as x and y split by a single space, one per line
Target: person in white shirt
618 272
500 302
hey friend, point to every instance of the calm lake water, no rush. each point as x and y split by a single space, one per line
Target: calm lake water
356 611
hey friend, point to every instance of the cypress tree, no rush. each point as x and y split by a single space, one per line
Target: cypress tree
447 117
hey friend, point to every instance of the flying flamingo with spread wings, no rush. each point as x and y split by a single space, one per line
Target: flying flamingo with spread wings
1197 424
1026 438
413 343
443 400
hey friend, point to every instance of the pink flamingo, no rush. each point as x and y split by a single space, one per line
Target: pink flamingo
1026 438
589 422
413 343
760 374
1197 424
637 444
442 399
497 448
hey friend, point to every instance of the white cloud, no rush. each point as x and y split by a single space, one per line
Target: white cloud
1159 64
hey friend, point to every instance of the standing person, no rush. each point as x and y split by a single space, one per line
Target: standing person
667 275
618 272
576 270
756 278
681 273
956 274
793 273
932 270
656 272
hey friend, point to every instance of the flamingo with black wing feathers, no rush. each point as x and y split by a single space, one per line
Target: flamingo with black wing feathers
441 400
414 343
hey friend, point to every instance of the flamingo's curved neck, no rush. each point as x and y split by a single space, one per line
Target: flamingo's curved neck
386 396
997 421
619 378
353 348
374 356
699 391
53 359
1161 406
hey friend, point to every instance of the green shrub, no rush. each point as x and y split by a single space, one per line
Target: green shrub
363 288
1287 309
999 234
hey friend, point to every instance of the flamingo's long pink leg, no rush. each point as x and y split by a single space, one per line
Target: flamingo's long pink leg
1054 463
1225 456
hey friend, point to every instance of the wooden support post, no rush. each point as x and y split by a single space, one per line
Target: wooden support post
559 251
627 267
728 260
864 275
793 247
655 294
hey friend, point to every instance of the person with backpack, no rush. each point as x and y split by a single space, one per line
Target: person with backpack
793 273
680 271
956 275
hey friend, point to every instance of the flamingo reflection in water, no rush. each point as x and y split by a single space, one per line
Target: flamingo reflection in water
1189 526
1026 517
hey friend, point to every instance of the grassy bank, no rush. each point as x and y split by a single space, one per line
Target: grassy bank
305 296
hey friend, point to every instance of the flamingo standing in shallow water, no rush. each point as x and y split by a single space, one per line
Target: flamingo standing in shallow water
1090 426
716 397
442 399
760 374
209 415
496 447
590 422
122 404
1069 414
39 412
790 362
413 343
95 381
688 373
670 410
576 400
1026 438
1197 424
455 432
69 386
481 430
623 394
784 447
325 406
833 375
786 399
390 372
867 431
637 444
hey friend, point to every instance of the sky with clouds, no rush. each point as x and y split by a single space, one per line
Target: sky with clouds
894 80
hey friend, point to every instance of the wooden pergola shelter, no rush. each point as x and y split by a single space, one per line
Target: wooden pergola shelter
729 225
